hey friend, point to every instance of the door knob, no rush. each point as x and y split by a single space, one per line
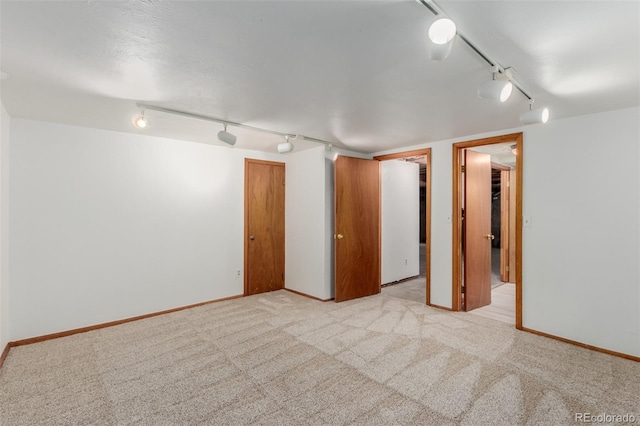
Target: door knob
252 237
339 236
490 236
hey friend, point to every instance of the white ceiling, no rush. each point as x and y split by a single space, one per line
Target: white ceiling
351 72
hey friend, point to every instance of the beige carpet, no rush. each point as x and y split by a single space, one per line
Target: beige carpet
282 359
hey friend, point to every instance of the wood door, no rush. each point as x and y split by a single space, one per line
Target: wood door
477 230
264 226
357 228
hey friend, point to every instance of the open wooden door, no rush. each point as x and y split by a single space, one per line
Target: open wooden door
477 230
357 228
264 226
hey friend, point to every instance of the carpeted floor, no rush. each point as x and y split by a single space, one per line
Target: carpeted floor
414 290
282 359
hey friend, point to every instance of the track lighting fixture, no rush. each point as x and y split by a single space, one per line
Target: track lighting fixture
285 147
227 137
139 121
442 33
535 116
496 89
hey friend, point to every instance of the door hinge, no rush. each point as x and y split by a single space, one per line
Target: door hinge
462 169
507 269
464 289
282 182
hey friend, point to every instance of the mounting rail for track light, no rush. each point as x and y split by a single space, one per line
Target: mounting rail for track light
230 123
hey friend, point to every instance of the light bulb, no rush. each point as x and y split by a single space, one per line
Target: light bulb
442 31
139 121
505 93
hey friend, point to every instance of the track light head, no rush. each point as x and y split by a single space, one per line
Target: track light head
442 31
535 116
227 137
440 52
139 121
442 34
285 147
499 90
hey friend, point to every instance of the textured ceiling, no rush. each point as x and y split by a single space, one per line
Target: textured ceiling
351 72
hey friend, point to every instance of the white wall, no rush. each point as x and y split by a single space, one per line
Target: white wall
107 225
5 124
441 228
329 225
581 254
400 199
305 224
581 276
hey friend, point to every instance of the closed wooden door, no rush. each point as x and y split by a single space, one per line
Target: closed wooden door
357 228
477 230
264 226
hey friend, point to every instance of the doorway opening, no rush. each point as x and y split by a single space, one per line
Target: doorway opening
487 231
406 252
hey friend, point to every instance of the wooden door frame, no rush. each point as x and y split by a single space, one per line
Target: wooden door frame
246 215
456 302
427 153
